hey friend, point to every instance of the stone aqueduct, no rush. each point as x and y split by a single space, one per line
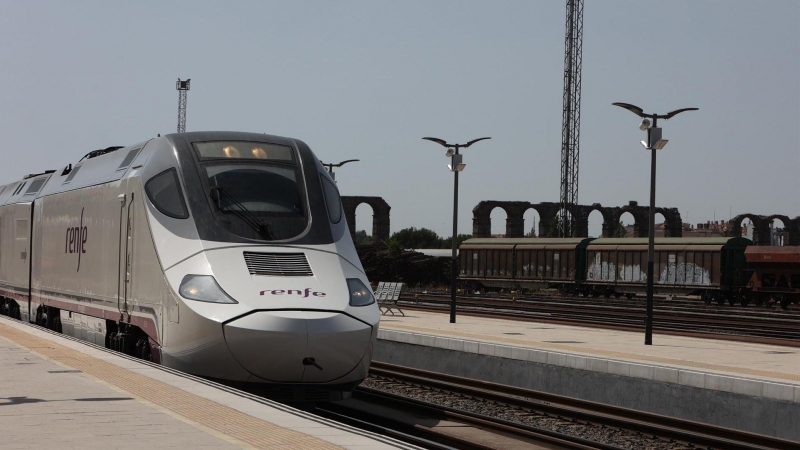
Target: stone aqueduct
761 228
482 223
515 224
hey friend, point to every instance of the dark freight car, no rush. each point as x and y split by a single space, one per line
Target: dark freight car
523 262
705 266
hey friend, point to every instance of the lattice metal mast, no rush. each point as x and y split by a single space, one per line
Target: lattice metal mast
183 89
570 129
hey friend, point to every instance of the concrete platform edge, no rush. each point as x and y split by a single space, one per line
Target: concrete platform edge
706 380
739 403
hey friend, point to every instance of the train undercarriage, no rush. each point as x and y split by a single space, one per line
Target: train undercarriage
733 297
117 336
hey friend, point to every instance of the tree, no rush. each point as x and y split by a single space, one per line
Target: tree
417 238
362 238
448 241
395 249
620 231
554 230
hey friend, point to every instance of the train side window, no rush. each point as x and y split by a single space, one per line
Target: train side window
332 200
165 193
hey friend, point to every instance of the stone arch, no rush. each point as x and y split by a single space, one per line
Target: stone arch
548 212
581 216
760 228
673 223
787 225
640 218
482 220
380 215
499 219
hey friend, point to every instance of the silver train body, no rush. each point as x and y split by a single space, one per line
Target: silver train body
221 254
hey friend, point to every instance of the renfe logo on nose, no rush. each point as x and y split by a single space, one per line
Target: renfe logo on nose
303 294
75 242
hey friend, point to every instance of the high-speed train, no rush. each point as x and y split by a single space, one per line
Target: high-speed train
221 254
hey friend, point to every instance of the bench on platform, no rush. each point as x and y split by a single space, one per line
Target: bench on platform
387 294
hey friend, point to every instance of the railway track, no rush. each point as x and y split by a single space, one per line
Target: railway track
428 407
776 329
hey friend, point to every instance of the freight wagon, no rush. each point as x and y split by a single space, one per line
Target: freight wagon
714 268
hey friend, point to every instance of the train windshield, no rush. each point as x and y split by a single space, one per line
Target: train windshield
255 189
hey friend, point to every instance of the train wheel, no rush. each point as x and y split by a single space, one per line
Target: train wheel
617 295
720 299
629 296
785 303
145 353
607 294
731 300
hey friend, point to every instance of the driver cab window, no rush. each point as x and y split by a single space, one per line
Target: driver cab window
164 192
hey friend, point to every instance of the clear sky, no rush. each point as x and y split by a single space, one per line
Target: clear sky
368 79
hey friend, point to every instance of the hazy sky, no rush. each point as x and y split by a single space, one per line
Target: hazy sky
368 79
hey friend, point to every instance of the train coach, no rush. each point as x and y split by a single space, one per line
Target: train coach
221 254
713 268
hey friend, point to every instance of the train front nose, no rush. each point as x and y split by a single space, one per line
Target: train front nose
298 346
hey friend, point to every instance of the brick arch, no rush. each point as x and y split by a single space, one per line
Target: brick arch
785 219
760 227
582 219
792 226
482 220
380 215
641 219
673 223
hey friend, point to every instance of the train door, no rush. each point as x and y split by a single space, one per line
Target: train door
22 234
125 284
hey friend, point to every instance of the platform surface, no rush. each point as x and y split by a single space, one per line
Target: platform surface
602 350
56 392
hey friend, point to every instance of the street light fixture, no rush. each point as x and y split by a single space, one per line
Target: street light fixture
456 165
653 143
330 166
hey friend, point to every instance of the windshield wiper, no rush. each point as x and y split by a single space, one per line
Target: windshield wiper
242 213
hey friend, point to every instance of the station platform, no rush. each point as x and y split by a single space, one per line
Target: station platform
726 383
58 392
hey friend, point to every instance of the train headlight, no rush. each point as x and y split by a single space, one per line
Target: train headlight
360 295
203 288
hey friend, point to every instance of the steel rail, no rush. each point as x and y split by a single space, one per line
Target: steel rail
647 423
785 333
422 435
